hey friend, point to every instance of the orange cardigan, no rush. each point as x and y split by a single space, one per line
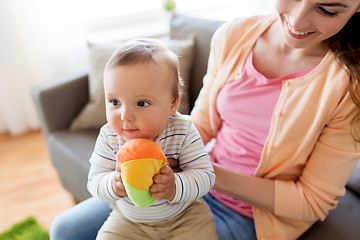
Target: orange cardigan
309 151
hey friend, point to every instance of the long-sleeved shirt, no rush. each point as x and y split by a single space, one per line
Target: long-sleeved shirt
309 151
180 140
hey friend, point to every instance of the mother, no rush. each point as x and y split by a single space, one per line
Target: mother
276 99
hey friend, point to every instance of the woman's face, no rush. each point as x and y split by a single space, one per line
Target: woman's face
307 23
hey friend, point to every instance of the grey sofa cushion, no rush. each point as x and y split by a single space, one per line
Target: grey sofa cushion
354 181
342 223
202 29
70 153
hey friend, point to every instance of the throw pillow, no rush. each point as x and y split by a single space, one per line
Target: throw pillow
93 114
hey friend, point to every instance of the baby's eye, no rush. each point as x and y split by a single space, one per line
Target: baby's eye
114 102
142 104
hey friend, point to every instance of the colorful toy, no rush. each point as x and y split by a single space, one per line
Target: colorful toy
141 159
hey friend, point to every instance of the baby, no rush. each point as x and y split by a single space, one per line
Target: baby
142 95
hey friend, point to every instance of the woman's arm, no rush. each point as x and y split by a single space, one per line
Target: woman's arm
258 192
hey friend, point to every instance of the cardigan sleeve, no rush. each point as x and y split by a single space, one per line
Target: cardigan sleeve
326 172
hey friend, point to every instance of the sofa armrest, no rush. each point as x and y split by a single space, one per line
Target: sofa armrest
59 102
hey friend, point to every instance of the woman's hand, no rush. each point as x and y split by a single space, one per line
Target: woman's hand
174 165
117 184
164 184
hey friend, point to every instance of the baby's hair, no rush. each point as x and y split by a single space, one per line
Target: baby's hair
146 50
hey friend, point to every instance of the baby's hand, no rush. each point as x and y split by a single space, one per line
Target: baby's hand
164 184
117 185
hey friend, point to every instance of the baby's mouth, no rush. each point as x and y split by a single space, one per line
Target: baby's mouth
130 130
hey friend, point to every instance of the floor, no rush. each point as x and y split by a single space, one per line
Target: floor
28 182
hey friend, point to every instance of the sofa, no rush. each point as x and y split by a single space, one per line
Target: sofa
60 101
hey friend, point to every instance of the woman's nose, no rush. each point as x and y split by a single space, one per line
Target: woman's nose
300 17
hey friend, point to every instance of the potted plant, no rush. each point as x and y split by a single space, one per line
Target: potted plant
169 5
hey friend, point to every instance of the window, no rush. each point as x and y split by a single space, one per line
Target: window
97 9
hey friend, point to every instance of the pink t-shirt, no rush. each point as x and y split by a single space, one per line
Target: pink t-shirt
245 108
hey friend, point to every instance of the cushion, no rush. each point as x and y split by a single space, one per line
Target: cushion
93 114
354 181
341 223
203 30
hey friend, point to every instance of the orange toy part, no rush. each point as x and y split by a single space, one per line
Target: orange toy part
140 148
141 159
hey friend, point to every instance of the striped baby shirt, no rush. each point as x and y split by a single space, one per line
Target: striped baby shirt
180 140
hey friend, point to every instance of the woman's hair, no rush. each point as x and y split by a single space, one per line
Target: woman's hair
146 50
346 46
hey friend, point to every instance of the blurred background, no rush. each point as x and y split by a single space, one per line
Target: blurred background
42 40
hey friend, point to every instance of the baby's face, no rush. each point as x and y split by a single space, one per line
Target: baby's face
139 99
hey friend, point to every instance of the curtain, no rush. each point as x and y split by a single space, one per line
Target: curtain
39 41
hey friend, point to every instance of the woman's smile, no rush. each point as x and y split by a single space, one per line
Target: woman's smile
296 34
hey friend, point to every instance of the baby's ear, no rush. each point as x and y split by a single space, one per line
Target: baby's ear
174 106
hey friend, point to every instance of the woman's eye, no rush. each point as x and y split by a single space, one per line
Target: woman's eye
326 12
114 102
142 104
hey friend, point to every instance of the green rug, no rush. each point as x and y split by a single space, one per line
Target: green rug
28 229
